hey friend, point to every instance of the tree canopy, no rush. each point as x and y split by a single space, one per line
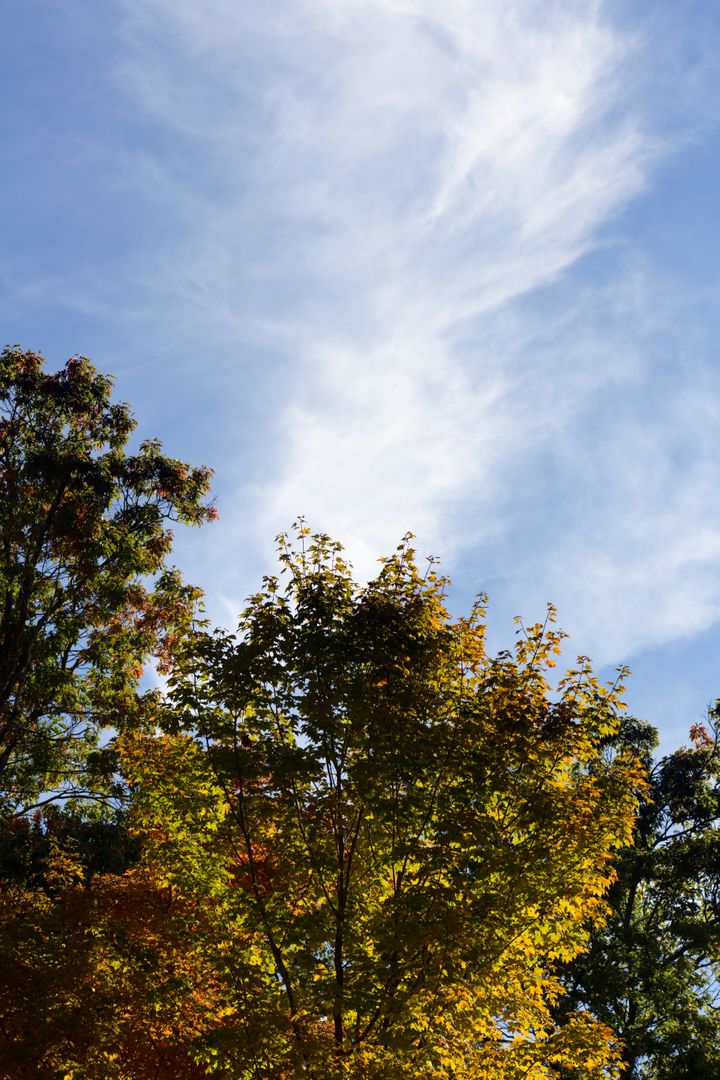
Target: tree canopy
396 837
652 971
85 593
346 840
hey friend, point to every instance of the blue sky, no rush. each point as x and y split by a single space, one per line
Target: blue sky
397 265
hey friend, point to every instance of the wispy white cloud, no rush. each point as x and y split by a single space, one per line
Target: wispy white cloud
635 559
396 196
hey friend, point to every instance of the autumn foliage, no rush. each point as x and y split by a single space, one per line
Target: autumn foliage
345 841
86 596
395 836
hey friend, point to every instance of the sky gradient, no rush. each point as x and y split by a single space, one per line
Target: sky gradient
400 265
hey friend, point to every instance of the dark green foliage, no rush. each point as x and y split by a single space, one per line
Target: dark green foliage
29 843
83 533
652 972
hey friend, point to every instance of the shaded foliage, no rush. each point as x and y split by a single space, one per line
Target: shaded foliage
85 594
652 971
100 845
102 980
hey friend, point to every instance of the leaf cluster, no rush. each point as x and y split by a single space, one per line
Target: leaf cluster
652 971
399 836
85 595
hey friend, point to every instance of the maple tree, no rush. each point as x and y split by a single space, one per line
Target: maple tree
101 976
85 592
653 970
395 837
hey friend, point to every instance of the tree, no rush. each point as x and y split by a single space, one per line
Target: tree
653 970
85 593
395 837
101 976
